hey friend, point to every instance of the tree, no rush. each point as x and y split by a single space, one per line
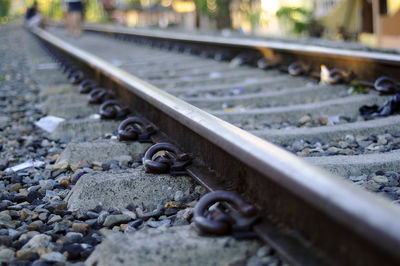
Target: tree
4 7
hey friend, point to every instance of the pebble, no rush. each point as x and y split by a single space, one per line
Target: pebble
304 120
53 257
112 220
54 219
38 241
6 254
80 227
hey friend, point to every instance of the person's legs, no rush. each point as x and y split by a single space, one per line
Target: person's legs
76 20
78 25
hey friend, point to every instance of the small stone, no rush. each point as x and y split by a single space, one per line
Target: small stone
155 224
129 229
135 224
382 140
26 254
35 226
65 182
54 257
47 184
372 185
38 241
6 255
73 237
6 220
323 120
15 187
297 145
343 144
102 217
80 227
380 179
178 195
92 214
61 165
123 161
185 214
333 150
116 219
304 120
34 195
349 138
43 216
54 219
5 241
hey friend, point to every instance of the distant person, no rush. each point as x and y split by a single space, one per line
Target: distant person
33 17
74 17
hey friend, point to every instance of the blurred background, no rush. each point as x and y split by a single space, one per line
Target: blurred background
375 23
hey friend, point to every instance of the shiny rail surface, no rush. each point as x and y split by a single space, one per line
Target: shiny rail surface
366 65
309 216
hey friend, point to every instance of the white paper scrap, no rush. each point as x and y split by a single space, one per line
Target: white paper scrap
49 123
94 116
22 166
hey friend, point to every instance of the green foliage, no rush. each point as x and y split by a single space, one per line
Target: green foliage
358 88
4 7
300 18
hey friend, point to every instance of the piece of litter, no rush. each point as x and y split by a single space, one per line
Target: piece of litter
325 75
214 75
94 116
333 119
47 66
49 123
22 166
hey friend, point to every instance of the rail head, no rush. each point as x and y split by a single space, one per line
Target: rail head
244 42
376 221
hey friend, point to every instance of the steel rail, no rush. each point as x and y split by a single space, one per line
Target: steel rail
309 216
366 65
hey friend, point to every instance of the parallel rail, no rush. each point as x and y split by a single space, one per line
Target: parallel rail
366 65
309 216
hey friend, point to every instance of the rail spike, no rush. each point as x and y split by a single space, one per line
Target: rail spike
135 128
165 158
220 223
113 109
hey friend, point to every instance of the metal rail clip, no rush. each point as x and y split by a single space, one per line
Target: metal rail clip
337 76
76 77
298 69
386 85
135 128
165 158
113 109
99 95
238 224
87 86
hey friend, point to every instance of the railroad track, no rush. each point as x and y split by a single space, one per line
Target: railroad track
307 215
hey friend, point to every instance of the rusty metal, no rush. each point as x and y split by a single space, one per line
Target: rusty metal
135 128
221 223
165 158
76 77
387 85
298 69
99 95
337 76
87 86
112 109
